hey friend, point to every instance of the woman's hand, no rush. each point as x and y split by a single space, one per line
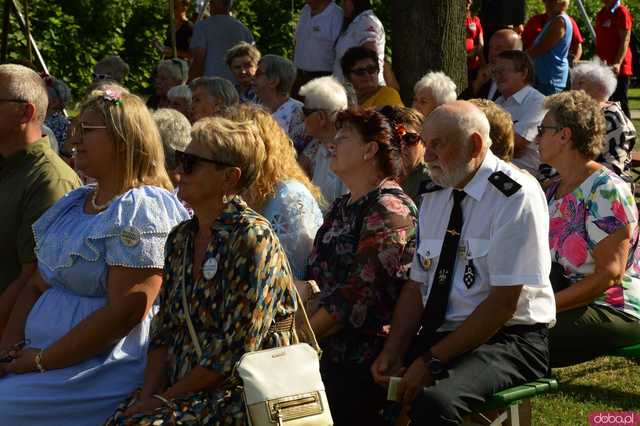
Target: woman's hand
144 406
24 362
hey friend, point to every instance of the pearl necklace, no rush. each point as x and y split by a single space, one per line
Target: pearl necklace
98 207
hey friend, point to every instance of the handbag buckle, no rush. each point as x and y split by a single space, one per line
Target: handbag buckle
294 407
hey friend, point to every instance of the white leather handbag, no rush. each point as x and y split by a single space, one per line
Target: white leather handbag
282 386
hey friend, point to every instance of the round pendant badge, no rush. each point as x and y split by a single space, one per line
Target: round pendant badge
130 236
426 263
210 268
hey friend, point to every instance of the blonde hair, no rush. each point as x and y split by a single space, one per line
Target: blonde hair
232 142
501 128
135 135
280 163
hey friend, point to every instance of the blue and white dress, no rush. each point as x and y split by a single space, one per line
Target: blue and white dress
295 216
74 250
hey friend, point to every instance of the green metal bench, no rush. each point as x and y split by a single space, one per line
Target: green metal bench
627 352
507 401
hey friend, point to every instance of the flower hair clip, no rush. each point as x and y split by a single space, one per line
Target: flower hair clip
112 96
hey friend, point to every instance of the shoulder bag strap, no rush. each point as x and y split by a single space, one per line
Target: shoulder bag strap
306 330
185 305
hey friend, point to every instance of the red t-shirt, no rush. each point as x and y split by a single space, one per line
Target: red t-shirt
535 25
608 26
474 30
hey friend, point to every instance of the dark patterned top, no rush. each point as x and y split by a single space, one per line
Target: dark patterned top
360 259
59 125
619 140
231 312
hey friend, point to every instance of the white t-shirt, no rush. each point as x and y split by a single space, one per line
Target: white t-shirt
315 38
365 28
526 109
504 237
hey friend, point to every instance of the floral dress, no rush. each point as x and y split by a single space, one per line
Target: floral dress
231 312
600 206
360 260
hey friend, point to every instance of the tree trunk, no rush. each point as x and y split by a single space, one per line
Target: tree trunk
428 35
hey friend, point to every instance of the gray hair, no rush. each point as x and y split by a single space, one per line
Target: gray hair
113 66
26 85
176 68
325 93
218 87
466 118
597 75
59 90
181 92
442 87
277 67
175 132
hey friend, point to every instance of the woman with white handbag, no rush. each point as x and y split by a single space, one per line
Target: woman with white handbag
227 288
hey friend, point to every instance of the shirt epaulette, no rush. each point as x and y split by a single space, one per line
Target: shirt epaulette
504 183
427 186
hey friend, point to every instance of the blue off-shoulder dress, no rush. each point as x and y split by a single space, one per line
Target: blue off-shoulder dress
74 250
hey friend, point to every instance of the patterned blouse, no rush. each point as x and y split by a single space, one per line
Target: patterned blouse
231 312
601 205
360 259
619 140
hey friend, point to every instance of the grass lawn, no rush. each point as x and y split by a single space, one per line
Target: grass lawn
605 384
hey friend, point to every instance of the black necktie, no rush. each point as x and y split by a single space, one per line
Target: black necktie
436 307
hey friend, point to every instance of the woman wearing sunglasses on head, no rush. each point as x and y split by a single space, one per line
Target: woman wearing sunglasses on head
226 273
406 125
86 312
360 68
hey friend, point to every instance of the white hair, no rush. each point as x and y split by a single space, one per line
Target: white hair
24 84
597 75
175 133
324 93
473 121
176 68
442 87
181 92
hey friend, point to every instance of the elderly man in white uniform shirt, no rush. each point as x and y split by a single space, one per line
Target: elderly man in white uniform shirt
318 29
514 76
482 263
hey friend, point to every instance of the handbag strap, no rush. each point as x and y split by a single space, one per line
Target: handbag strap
185 305
306 331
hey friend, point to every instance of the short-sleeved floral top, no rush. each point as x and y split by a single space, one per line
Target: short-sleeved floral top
360 260
601 205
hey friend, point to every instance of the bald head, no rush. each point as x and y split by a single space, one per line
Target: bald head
503 40
463 119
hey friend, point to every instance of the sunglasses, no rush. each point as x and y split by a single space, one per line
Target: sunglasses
542 128
308 111
362 71
188 161
410 139
99 77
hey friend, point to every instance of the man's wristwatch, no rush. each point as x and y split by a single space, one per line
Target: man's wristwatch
435 365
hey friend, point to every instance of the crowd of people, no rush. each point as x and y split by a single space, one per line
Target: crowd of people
457 247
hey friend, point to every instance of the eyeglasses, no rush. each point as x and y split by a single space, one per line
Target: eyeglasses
362 71
308 111
410 139
188 161
98 77
80 130
541 129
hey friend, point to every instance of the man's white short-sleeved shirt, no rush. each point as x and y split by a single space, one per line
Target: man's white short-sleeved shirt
365 28
526 107
505 238
316 37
